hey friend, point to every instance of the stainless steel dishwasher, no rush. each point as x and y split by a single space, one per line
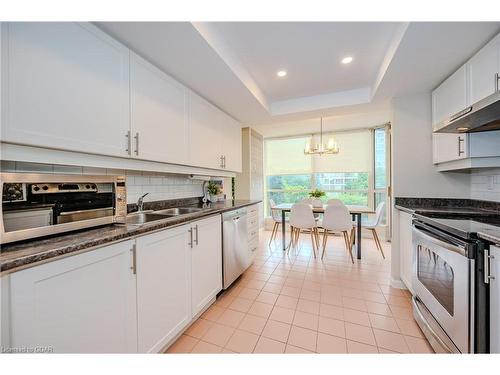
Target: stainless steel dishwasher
236 257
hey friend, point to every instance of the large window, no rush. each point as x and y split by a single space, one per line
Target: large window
357 175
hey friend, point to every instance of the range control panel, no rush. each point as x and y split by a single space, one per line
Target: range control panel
63 188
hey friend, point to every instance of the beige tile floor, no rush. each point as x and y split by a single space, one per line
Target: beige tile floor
294 303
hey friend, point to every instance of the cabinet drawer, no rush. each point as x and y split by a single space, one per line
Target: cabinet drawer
252 210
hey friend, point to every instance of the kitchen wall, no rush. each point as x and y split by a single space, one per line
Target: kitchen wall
485 184
160 186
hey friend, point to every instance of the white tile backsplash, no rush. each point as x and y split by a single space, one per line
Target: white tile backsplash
160 186
485 184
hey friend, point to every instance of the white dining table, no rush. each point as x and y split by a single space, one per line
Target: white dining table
355 211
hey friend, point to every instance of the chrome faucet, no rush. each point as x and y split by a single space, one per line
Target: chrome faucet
140 202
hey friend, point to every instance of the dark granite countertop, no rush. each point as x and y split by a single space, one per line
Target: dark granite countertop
443 205
461 207
21 255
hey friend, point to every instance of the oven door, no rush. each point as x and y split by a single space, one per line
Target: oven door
441 281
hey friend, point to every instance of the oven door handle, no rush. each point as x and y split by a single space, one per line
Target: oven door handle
448 246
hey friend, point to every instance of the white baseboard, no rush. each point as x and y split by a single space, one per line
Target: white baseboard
398 284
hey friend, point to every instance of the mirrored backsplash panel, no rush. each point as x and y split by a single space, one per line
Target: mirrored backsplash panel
160 186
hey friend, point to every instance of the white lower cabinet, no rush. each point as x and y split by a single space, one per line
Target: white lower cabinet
406 248
163 287
133 296
206 262
81 304
495 300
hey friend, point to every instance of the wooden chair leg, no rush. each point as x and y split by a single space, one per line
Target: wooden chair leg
325 240
377 241
290 244
316 232
273 232
352 237
296 238
313 240
348 246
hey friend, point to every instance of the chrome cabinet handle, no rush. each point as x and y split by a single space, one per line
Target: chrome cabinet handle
222 161
134 259
487 276
136 143
196 238
497 78
190 238
129 143
460 151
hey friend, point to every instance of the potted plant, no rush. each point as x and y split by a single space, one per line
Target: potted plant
317 195
213 190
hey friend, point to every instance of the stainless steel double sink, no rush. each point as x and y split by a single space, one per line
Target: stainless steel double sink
143 217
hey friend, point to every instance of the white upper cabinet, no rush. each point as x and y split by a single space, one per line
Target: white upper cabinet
81 304
473 81
450 97
204 136
215 137
206 262
70 86
484 68
67 87
158 114
163 287
448 147
231 143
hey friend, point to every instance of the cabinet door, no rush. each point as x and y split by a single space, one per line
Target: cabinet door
206 262
158 114
484 68
81 304
163 287
231 142
204 134
450 97
406 248
448 147
495 300
67 87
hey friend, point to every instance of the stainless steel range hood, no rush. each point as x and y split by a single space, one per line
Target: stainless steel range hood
479 117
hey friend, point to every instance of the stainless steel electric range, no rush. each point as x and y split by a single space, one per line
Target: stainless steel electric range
451 290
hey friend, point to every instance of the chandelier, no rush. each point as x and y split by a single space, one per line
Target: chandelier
331 147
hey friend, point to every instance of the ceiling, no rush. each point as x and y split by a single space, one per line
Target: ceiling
234 64
311 53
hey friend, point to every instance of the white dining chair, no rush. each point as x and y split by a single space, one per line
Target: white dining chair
276 216
302 218
372 224
334 202
338 219
310 201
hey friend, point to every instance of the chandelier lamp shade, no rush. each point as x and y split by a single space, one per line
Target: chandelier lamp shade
331 147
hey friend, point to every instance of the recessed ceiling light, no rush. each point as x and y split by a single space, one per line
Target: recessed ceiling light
281 73
463 129
347 60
